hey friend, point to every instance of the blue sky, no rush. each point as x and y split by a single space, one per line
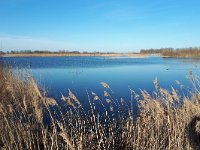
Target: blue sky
99 25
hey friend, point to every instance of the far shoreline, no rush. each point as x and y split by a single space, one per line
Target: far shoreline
112 55
131 55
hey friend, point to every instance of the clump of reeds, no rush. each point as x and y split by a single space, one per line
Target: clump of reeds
30 120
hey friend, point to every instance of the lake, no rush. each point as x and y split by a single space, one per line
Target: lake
80 74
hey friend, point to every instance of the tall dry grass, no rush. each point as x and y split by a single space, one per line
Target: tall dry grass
166 119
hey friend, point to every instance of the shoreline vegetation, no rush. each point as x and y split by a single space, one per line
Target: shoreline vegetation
167 119
135 55
192 52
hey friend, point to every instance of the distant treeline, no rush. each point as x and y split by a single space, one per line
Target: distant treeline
171 52
179 52
155 51
1 52
50 52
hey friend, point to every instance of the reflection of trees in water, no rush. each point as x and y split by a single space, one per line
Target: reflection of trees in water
193 61
182 63
182 60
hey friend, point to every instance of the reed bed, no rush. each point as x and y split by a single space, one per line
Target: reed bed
30 120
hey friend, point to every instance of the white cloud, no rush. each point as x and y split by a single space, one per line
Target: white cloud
10 42
13 42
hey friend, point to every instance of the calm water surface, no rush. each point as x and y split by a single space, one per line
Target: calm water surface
80 74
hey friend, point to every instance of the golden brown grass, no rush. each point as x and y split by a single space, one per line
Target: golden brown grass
167 119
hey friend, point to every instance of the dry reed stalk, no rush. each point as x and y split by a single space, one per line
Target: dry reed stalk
1 108
106 94
105 85
50 101
72 96
156 84
96 98
64 135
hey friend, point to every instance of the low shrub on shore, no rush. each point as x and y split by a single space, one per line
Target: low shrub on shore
166 119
